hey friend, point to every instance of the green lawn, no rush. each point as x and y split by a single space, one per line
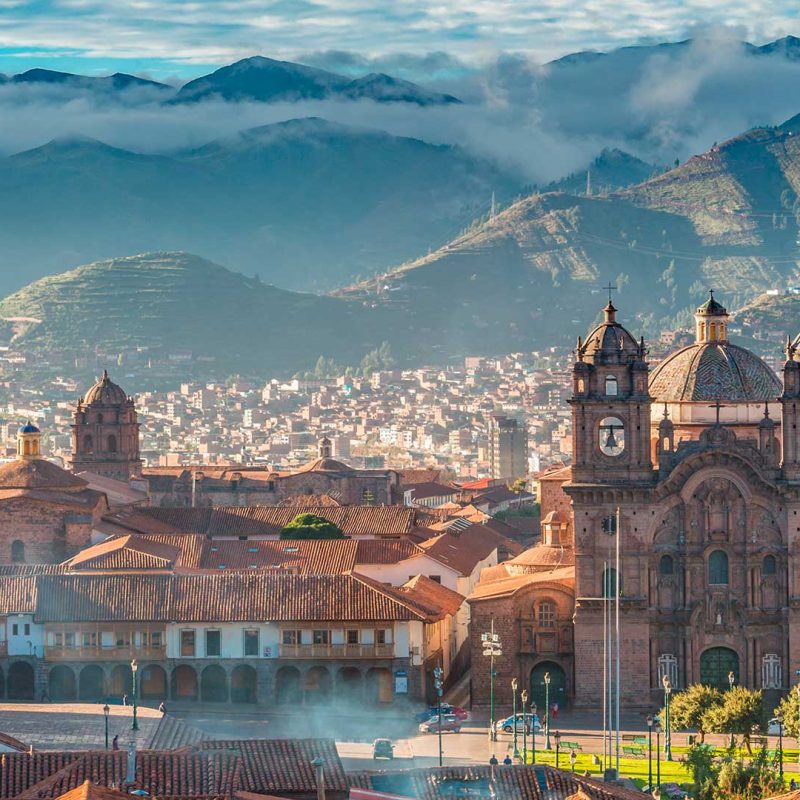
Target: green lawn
637 768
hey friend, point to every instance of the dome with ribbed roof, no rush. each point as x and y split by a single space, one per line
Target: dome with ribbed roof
105 392
325 465
609 341
713 370
29 427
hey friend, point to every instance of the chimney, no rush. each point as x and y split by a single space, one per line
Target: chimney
319 768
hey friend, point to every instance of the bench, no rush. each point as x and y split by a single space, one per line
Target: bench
570 746
633 750
634 737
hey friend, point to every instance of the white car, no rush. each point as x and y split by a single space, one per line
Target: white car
507 725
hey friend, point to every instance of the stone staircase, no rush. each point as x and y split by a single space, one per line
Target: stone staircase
173 732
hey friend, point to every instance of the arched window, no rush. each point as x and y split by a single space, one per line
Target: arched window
26 448
112 444
610 582
18 551
99 419
611 436
713 332
611 386
88 444
769 565
547 614
718 568
581 385
666 566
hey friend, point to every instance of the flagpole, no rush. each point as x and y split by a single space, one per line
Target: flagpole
605 661
616 626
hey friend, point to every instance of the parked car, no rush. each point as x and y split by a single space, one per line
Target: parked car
433 711
507 725
383 748
450 722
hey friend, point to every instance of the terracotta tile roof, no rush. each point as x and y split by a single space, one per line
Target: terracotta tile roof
426 592
37 473
275 766
225 597
421 491
126 552
20 771
307 557
514 782
90 791
507 586
157 772
408 477
18 594
385 551
464 550
269 520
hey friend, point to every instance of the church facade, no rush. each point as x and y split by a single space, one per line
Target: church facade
696 466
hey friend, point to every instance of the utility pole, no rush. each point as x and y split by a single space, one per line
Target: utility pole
437 682
492 649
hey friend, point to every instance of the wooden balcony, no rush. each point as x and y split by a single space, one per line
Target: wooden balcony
55 653
336 650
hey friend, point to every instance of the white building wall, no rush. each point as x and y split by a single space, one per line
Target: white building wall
28 638
399 573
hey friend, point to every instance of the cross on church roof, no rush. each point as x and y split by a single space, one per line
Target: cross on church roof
717 406
610 289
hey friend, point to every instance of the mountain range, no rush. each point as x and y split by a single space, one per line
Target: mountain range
305 203
726 219
254 79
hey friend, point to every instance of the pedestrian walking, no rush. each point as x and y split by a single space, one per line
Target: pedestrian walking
162 707
124 699
115 743
507 761
555 710
493 762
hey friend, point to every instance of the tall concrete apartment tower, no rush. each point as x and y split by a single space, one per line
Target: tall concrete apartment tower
508 448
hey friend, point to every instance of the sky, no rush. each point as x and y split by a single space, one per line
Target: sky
180 39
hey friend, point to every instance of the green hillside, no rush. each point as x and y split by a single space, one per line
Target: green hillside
726 219
169 303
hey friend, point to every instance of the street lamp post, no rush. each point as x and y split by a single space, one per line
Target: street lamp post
731 682
492 649
437 681
779 720
533 731
557 737
106 711
657 725
650 752
134 670
667 735
524 697
547 711
514 715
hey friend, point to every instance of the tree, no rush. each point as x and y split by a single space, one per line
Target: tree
789 709
700 761
311 526
519 486
687 708
740 712
729 778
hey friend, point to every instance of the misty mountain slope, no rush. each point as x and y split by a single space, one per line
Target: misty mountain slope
172 302
302 204
266 80
725 219
612 169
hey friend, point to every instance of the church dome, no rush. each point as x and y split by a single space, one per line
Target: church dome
38 474
105 392
29 427
325 465
713 370
609 338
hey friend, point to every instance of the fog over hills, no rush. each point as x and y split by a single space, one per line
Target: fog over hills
726 219
303 204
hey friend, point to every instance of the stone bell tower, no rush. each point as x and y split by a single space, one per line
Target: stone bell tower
105 432
611 406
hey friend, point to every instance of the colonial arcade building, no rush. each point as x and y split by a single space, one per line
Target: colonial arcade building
701 456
